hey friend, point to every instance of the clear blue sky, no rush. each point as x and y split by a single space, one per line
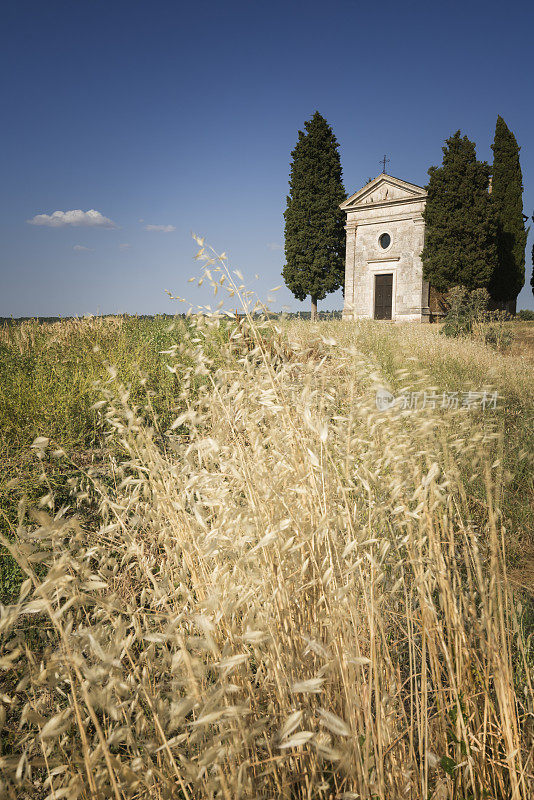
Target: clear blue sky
184 115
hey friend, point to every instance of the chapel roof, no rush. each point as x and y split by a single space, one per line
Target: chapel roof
384 190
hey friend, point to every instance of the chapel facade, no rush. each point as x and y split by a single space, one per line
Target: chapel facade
385 238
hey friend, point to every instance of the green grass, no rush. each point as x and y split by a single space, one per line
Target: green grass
50 378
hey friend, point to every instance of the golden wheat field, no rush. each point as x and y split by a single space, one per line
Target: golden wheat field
254 582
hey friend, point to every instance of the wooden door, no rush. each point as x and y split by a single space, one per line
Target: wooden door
383 296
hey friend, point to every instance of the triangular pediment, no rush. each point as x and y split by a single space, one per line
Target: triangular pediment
384 190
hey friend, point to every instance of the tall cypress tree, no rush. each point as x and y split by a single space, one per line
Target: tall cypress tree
507 195
460 247
314 223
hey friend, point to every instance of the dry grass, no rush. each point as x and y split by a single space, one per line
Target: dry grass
291 598
523 344
25 336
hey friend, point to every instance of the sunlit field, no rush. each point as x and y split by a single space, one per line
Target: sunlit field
227 573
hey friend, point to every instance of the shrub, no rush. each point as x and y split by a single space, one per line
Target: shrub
465 309
456 321
495 330
468 315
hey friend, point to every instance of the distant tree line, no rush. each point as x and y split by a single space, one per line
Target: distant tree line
49 320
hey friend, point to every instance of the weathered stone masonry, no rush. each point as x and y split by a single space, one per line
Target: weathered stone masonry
386 207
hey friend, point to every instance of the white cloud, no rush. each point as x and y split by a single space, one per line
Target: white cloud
124 246
160 228
82 247
274 246
77 218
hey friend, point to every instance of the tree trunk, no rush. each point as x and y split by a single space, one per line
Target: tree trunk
314 309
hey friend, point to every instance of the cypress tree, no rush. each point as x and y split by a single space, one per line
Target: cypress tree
460 247
507 195
314 223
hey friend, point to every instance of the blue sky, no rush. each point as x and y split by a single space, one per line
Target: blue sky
184 115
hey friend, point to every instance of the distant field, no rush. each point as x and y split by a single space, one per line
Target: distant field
228 573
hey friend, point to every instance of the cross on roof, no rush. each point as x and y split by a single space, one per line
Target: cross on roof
384 161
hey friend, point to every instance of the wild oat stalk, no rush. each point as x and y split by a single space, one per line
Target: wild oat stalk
286 598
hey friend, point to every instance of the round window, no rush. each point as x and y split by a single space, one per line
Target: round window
385 240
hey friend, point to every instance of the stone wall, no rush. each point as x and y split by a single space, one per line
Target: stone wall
365 258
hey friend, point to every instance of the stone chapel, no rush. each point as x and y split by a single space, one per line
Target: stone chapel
385 237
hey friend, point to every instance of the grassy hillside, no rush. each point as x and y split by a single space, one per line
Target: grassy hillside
237 577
